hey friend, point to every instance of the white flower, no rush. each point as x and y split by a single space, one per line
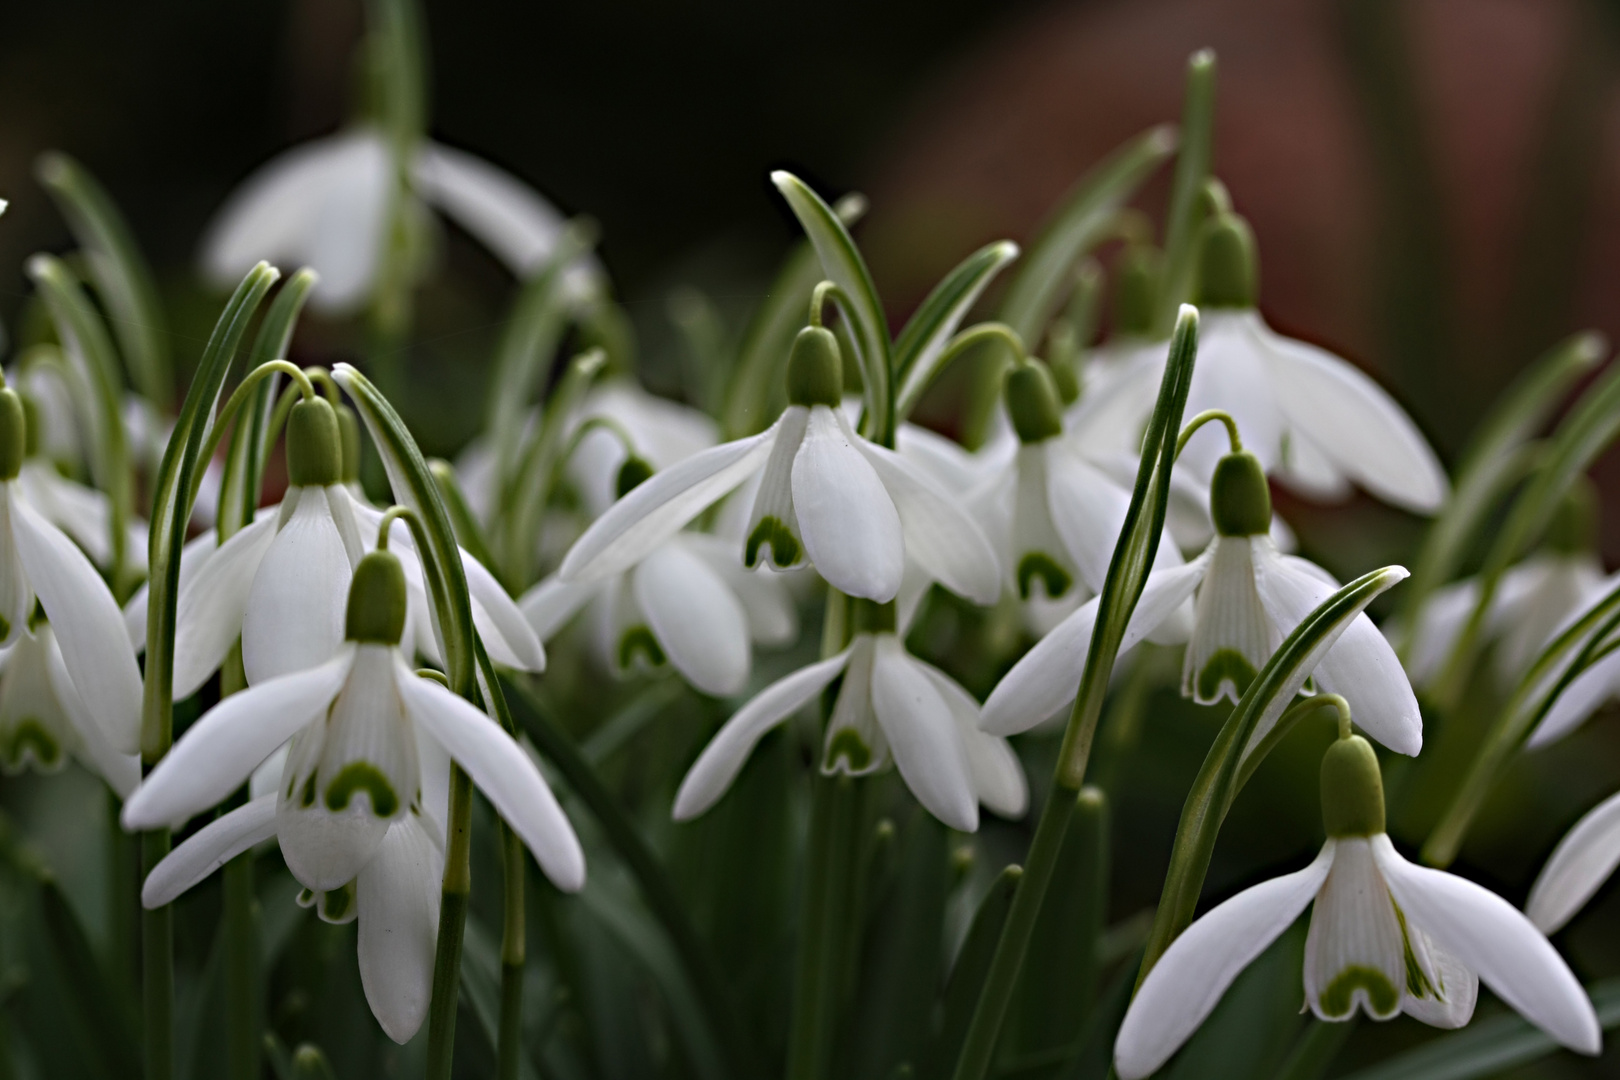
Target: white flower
891 708
1249 597
689 603
43 719
851 508
1583 860
1386 937
81 512
325 205
357 724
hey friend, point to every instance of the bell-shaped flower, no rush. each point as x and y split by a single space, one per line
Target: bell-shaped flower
852 509
281 582
40 566
354 767
1316 421
1386 937
326 204
891 709
1247 597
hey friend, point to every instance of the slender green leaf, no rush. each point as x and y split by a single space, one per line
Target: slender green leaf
966 980
121 274
922 341
1084 219
1193 162
481 981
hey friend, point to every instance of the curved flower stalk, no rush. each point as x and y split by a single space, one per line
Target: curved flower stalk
1316 421
1386 937
828 497
891 709
1246 597
325 204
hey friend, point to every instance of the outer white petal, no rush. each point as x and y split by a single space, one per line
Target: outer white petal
922 736
212 602
87 624
695 617
939 534
507 635
1089 510
1438 625
121 771
81 512
723 758
1490 936
772 617
661 506
1580 864
1047 677
1195 971
1585 694
398 898
501 770
505 214
195 552
1231 374
208 849
1361 666
847 518
553 602
1355 424
219 751
998 775
296 605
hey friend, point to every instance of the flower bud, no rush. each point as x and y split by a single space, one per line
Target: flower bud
632 474
1137 282
13 434
349 440
1352 789
815 374
1228 269
314 445
1032 402
376 612
1239 498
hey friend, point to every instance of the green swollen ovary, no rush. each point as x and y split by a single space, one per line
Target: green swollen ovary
848 745
359 776
772 532
1339 997
639 639
1054 578
1227 665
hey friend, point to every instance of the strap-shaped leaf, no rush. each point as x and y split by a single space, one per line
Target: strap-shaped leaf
921 344
1186 216
1082 222
1259 708
962 988
120 273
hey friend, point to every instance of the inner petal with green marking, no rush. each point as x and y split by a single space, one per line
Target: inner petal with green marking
1039 566
639 641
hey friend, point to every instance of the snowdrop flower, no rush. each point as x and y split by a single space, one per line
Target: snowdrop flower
1249 597
1386 937
280 583
354 767
325 205
40 565
891 708
852 509
1314 419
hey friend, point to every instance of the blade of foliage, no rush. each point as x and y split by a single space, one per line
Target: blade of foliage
1093 1058
481 980
1193 161
120 272
961 993
921 343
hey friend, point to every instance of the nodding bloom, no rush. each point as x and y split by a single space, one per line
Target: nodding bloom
1316 421
325 205
1249 597
852 509
281 582
891 708
1386 937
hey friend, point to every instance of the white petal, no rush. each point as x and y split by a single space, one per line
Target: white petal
1439 623
195 552
507 635
502 772
551 603
87 623
1355 954
1234 635
79 511
774 537
697 620
1026 538
1356 424
505 214
1490 936
661 506
208 849
1089 510
938 533
1231 374
367 726
1458 987
1047 677
121 771
296 606
850 527
219 751
1585 694
398 898
1195 971
267 777
998 775
1308 469
723 758
773 619
922 736
1580 864
213 601
1361 666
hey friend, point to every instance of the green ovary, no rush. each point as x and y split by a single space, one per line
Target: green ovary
1225 665
28 739
1054 579
851 748
773 531
1339 997
359 776
639 639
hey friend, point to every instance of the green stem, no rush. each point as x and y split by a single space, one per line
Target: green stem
509 1051
452 928
827 917
242 1033
157 968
